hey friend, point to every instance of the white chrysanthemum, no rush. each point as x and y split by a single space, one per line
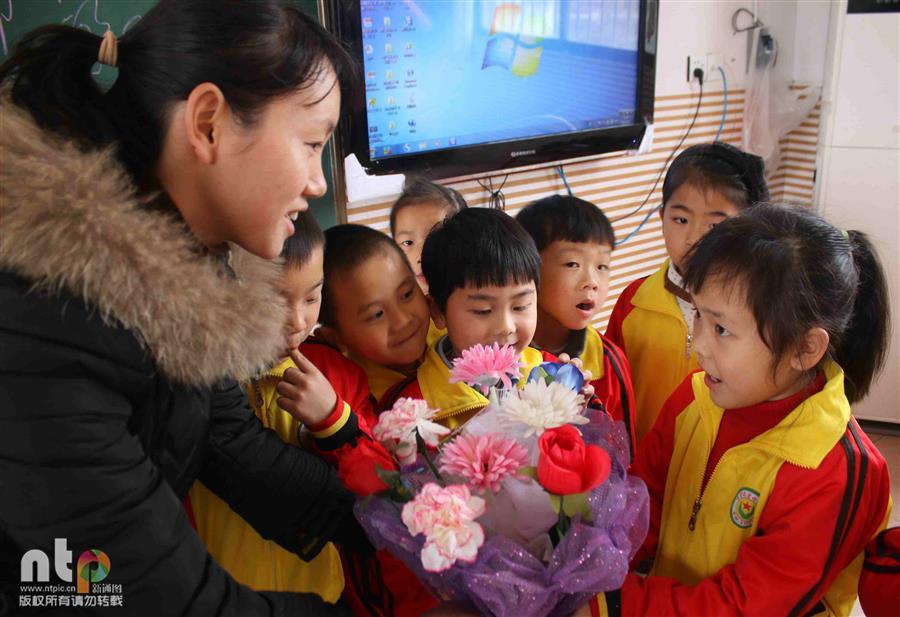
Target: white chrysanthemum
540 406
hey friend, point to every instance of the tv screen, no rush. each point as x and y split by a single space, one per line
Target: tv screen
466 85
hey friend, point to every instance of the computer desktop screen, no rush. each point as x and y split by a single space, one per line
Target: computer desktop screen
456 74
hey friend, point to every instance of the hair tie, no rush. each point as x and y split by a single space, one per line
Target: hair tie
109 49
846 234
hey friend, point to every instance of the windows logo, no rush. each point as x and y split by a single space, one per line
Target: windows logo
507 47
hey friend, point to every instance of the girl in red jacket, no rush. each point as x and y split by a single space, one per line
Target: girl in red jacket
764 490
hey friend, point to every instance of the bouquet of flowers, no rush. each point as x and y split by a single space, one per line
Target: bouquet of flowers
527 509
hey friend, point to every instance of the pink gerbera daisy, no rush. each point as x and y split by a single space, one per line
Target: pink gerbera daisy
483 460
482 366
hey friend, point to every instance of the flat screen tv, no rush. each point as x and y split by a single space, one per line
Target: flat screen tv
456 87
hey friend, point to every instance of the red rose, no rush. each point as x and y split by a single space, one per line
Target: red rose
568 466
356 467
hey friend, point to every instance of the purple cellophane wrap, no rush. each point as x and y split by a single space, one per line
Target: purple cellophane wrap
506 580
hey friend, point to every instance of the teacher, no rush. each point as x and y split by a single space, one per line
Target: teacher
136 229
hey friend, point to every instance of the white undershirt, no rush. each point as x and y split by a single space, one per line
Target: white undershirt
687 309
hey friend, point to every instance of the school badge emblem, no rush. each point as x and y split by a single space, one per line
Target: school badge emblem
743 507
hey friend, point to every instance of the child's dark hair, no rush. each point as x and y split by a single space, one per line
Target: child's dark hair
254 52
307 237
417 190
798 272
347 246
480 247
738 175
563 217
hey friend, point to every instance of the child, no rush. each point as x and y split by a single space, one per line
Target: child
334 398
764 491
482 270
422 205
575 240
258 563
372 308
653 318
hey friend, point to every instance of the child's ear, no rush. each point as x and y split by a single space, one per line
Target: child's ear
436 315
811 350
332 337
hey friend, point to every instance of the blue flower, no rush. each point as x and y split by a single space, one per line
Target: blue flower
566 374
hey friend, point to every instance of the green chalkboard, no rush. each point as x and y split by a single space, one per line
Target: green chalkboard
18 17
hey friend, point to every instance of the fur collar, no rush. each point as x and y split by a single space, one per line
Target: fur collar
70 222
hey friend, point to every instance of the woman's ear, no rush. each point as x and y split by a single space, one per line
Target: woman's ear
436 315
332 337
812 348
205 116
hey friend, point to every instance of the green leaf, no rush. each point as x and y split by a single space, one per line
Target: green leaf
389 477
572 505
528 471
364 502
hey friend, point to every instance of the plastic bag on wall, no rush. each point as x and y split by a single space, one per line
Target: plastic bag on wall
772 109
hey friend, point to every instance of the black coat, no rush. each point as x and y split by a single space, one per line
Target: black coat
120 349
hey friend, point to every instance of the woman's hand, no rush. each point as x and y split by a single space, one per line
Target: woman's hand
305 393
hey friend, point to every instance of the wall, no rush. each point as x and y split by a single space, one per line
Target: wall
860 162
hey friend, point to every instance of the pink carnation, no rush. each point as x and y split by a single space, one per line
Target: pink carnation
397 427
446 515
483 366
483 460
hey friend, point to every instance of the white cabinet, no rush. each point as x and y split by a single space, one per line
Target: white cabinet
859 161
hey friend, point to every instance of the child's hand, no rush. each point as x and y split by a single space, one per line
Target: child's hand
305 393
588 390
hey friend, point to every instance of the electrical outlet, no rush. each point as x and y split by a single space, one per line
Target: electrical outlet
696 61
713 64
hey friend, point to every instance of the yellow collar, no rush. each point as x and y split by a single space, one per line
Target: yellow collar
806 435
381 378
279 369
458 400
653 295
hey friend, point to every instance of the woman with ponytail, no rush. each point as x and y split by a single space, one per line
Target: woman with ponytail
136 229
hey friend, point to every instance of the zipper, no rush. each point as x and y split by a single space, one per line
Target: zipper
698 502
441 418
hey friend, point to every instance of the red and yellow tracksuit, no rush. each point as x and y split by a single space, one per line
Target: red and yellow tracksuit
610 371
258 563
455 402
382 378
648 326
773 524
262 564
879 584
